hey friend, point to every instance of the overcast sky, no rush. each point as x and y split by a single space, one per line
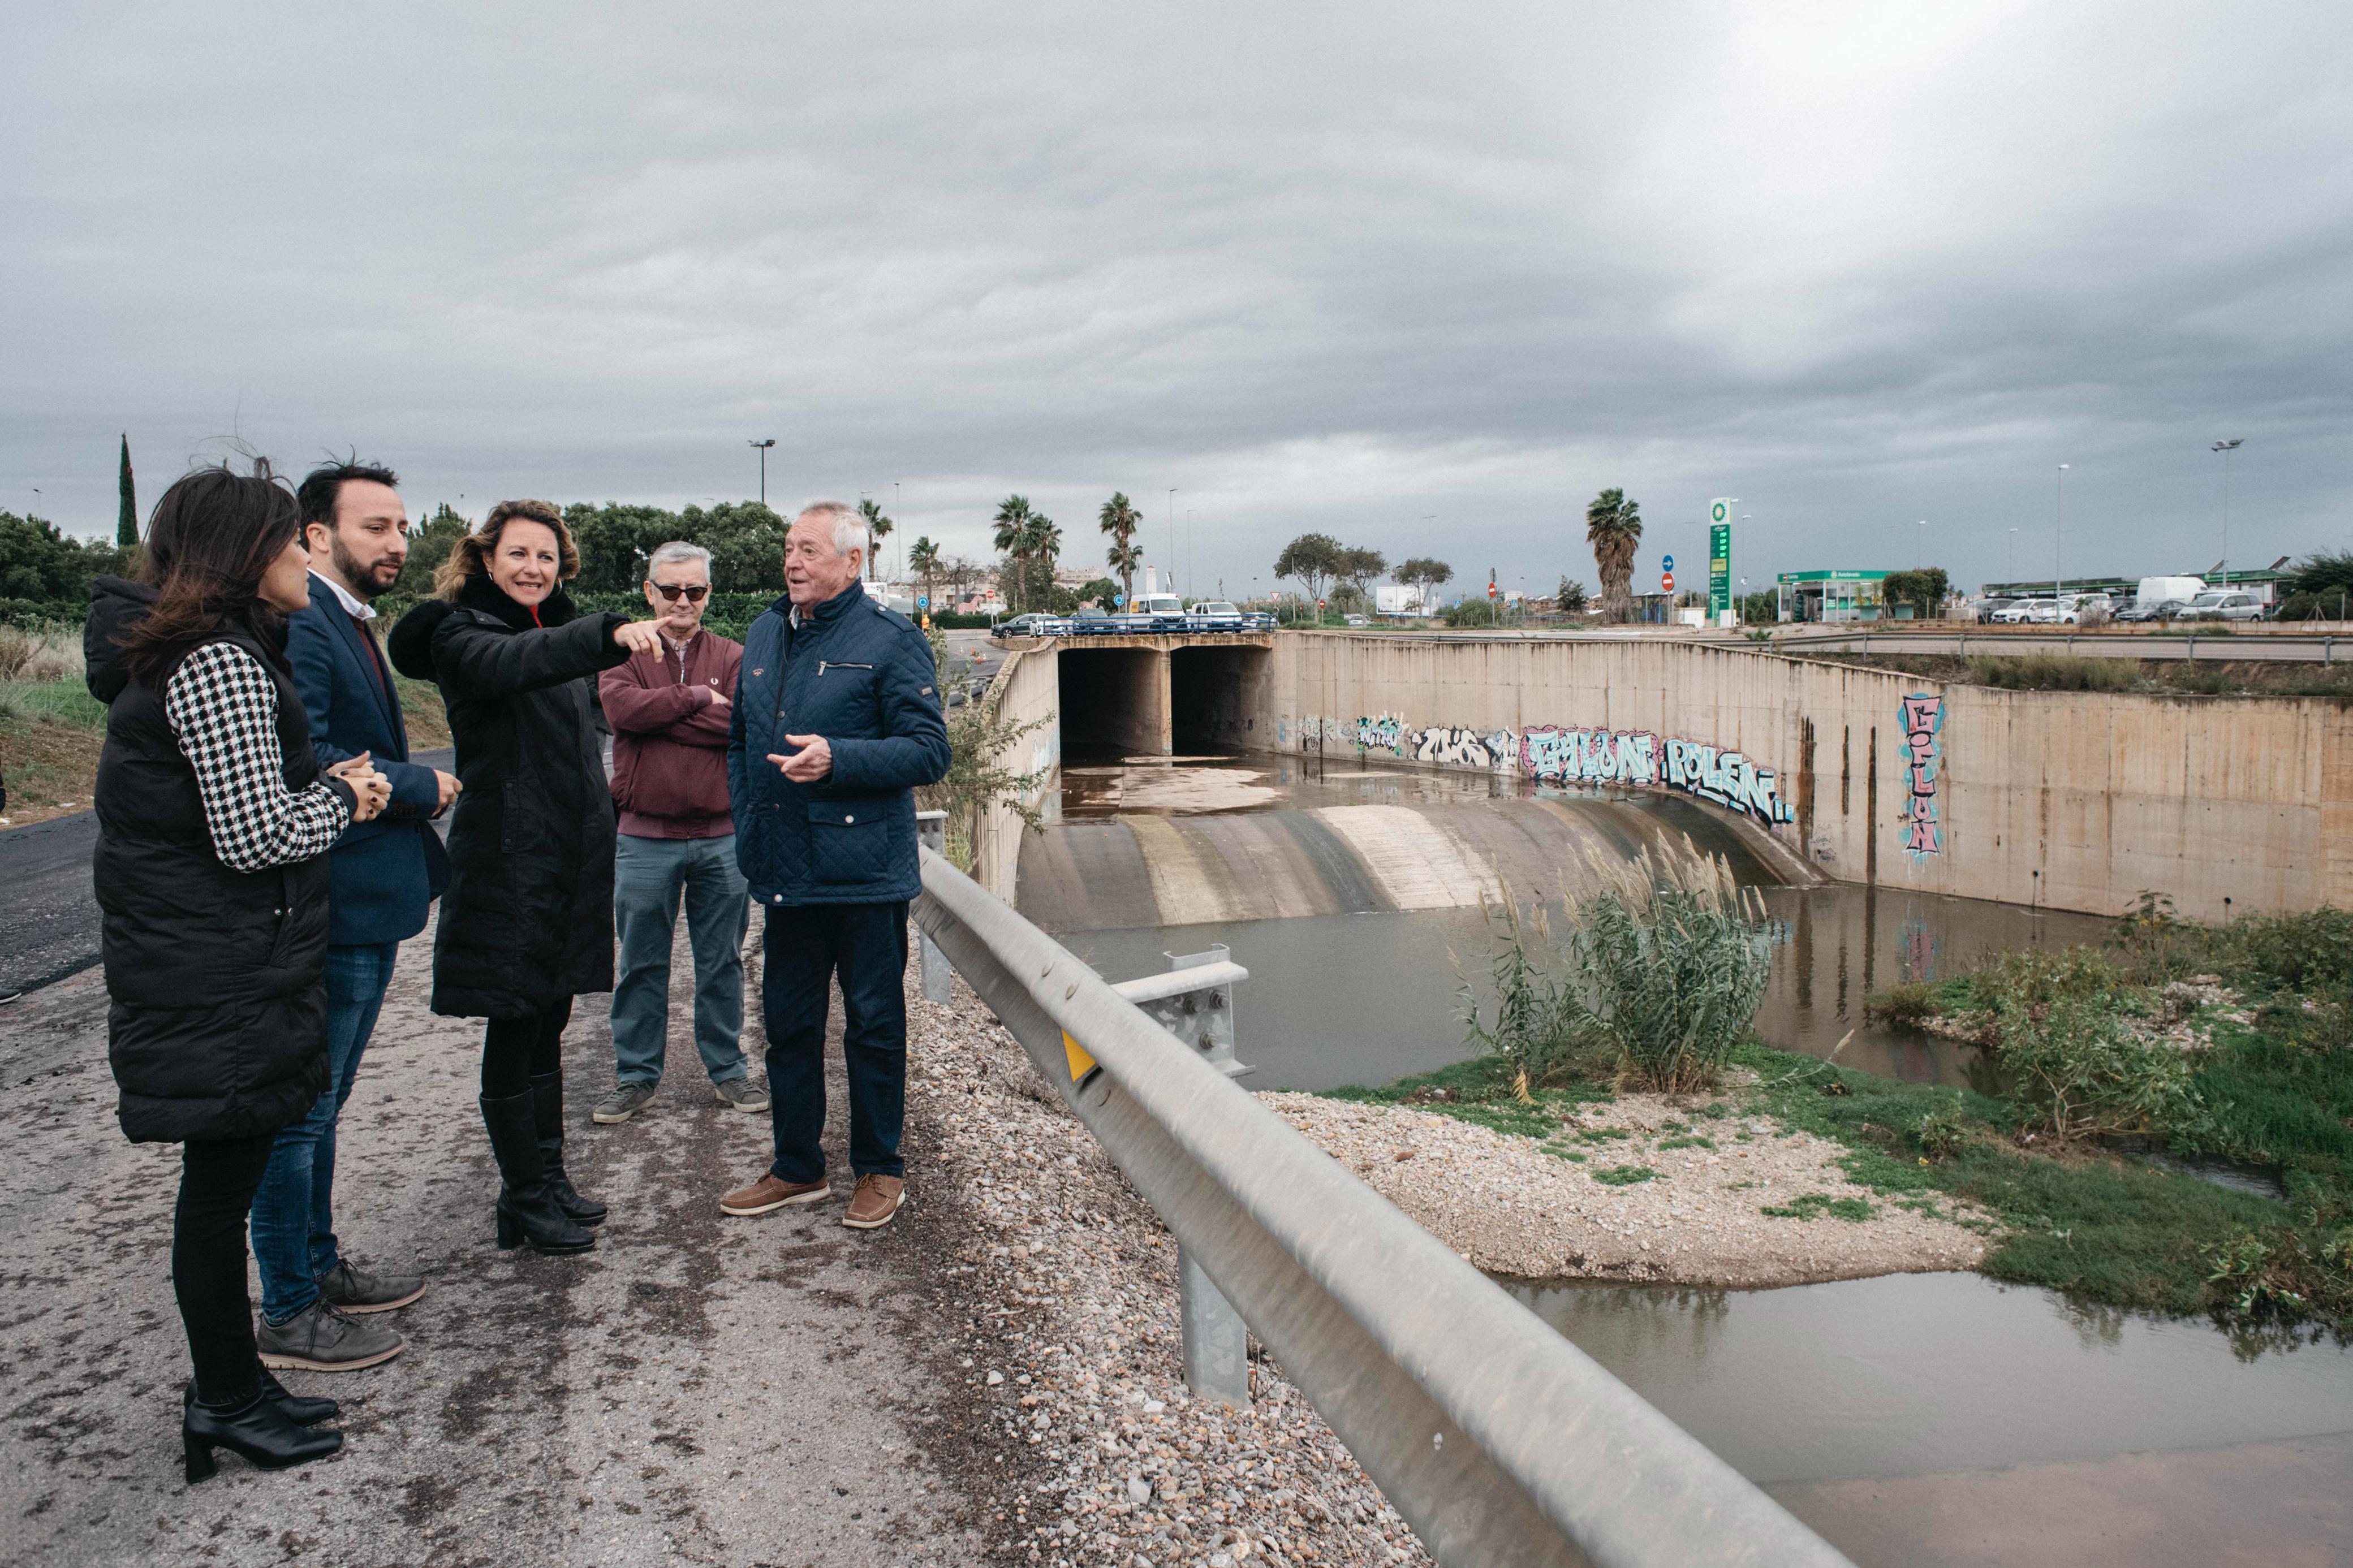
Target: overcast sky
1350 268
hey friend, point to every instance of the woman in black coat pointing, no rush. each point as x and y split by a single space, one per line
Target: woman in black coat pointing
214 823
527 923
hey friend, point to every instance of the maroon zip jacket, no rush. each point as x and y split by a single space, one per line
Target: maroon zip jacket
669 738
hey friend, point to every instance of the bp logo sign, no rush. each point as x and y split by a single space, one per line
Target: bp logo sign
1720 511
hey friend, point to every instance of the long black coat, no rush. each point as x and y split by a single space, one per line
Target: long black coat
528 917
216 1022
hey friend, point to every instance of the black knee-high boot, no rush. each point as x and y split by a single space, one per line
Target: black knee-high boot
547 1104
527 1210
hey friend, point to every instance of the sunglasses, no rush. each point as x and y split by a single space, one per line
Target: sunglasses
694 592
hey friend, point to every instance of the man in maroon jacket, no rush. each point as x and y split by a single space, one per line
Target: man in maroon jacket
669 716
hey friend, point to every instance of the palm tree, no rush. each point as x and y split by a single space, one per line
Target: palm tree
1012 539
924 557
1613 526
1121 521
877 527
1123 557
1042 541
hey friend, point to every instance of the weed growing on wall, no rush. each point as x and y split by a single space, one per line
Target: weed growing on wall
977 778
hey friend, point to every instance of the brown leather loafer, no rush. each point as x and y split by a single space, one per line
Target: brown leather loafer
771 1192
874 1202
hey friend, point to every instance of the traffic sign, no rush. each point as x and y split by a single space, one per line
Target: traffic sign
1667 563
1666 582
1117 600
924 602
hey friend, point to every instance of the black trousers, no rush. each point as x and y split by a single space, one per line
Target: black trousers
218 1178
513 1050
864 946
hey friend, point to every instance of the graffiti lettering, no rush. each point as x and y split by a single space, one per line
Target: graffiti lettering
1386 730
1459 748
1551 755
1922 718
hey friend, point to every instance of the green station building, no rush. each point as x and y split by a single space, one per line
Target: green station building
1837 595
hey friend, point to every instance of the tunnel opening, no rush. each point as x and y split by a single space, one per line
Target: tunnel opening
1219 699
1113 702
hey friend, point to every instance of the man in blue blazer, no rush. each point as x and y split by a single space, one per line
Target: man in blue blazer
387 872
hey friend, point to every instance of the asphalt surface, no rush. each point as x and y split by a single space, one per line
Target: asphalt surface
2214 645
777 1391
49 915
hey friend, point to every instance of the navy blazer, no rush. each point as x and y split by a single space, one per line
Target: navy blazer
860 676
388 872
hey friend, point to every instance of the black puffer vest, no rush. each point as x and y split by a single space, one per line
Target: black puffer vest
218 1027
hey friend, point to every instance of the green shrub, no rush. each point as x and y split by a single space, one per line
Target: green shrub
1623 1175
1813 1205
2297 951
1909 1004
2075 1067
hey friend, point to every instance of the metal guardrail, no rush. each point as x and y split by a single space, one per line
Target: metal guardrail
1500 1442
1138 625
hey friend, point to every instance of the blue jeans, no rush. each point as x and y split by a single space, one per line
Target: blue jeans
293 1214
650 877
866 946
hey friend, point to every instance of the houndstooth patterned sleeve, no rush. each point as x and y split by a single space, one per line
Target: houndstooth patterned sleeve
223 706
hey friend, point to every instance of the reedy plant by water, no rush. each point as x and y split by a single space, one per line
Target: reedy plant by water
1654 977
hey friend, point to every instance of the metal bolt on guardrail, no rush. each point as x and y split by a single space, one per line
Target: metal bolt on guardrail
1501 1442
1195 1001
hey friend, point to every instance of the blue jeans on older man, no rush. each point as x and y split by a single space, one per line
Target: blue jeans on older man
293 1214
651 878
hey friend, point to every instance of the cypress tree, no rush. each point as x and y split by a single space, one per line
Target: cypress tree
126 523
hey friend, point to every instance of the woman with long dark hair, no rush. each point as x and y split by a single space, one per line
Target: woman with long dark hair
527 920
214 821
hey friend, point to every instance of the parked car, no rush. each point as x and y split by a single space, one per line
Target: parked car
2153 610
1990 608
1018 626
2017 611
1215 616
2052 613
2219 605
1360 620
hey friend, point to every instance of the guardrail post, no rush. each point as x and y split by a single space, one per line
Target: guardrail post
1217 1343
931 832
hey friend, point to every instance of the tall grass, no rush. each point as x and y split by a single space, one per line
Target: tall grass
1654 976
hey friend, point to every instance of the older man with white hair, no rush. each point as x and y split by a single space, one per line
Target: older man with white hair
839 721
670 712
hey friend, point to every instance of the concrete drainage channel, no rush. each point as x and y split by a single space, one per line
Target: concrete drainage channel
1500 1442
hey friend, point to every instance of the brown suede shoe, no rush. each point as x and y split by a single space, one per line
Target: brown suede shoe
771 1192
874 1202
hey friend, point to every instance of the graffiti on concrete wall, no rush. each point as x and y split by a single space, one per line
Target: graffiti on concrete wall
1728 779
1460 748
1922 718
1551 754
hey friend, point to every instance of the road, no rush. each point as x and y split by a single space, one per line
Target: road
2212 645
698 1390
49 915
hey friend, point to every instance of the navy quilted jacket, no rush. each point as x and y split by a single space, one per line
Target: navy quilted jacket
860 676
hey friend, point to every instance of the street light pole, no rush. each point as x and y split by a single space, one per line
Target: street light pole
2226 448
2058 537
763 447
1171 537
2014 555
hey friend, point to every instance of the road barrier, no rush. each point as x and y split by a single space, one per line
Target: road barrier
1500 1442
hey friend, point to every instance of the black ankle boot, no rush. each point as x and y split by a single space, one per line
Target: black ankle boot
527 1210
547 1107
258 1429
301 1411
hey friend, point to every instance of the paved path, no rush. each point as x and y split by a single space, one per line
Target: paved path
49 916
697 1390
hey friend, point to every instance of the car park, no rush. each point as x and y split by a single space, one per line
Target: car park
2017 611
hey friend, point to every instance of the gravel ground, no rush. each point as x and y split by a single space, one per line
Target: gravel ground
1545 1208
1066 1299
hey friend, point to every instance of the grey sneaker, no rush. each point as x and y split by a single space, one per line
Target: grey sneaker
350 1288
319 1338
625 1100
742 1094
